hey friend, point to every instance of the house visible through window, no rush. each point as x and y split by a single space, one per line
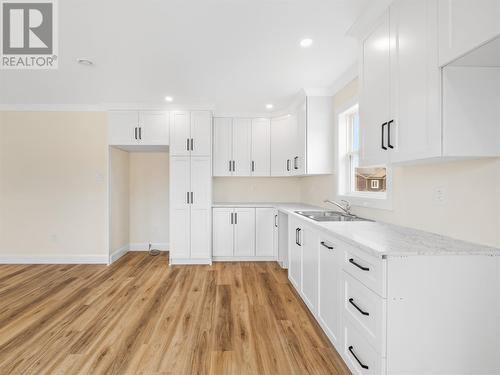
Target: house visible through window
367 182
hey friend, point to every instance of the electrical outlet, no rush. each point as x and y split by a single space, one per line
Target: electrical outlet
439 197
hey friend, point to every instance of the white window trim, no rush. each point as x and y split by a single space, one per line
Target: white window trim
381 201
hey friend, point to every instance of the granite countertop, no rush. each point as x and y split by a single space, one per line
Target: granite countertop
380 239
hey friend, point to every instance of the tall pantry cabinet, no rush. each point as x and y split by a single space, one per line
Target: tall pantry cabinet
190 187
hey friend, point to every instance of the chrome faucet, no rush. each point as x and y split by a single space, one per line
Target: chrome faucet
346 208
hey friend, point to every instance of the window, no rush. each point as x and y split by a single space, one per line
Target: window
365 183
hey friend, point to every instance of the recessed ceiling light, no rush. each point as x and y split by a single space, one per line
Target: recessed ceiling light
168 99
85 61
306 42
269 106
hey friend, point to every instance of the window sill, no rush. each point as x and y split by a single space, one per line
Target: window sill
377 201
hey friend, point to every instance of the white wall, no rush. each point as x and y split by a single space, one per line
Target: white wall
256 189
53 190
149 199
471 211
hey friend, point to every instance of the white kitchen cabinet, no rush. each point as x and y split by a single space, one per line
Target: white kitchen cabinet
465 25
233 233
265 221
190 133
280 145
242 146
295 241
131 128
261 147
310 265
190 202
400 118
329 285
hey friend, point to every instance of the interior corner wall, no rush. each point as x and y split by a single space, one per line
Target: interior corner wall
149 200
53 187
119 192
470 211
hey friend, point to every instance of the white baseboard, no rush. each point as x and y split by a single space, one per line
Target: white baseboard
244 259
118 253
184 261
137 246
54 259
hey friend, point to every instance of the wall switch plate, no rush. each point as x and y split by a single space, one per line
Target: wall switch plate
439 196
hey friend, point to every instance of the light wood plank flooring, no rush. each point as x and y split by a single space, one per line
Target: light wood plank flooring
140 316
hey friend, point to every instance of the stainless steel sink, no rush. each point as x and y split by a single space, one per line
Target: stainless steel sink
330 216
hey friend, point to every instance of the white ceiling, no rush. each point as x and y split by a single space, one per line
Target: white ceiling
233 55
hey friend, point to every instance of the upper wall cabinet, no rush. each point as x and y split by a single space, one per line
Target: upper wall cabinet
128 128
302 142
241 147
465 25
190 133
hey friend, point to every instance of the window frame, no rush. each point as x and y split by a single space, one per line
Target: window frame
343 190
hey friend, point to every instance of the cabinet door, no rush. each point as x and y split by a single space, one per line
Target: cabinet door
295 255
244 232
415 76
223 146
280 137
310 250
223 232
261 147
201 133
465 25
242 138
330 296
375 95
201 198
298 155
179 133
122 127
179 208
154 128
264 232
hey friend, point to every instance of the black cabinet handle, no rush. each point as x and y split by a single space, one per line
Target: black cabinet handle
357 359
192 144
135 133
288 165
351 301
232 219
296 236
389 134
192 198
383 136
299 242
296 162
236 218
187 144
276 221
325 245
253 166
358 265
140 132
187 197
234 166
229 165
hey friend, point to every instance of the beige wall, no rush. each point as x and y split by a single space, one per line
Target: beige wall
149 197
119 206
471 210
53 191
256 189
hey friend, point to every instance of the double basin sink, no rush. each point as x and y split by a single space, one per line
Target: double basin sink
329 216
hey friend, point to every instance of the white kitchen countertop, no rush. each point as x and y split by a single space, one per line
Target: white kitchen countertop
380 239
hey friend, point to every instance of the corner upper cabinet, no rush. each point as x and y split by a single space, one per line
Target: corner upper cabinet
129 128
190 133
465 25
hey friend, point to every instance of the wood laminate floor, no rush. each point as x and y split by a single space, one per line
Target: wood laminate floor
140 316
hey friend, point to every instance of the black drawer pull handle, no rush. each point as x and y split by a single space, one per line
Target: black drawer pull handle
358 265
357 359
351 301
389 134
383 136
325 245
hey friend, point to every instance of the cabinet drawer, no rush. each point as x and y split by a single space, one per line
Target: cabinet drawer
366 311
359 355
369 270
